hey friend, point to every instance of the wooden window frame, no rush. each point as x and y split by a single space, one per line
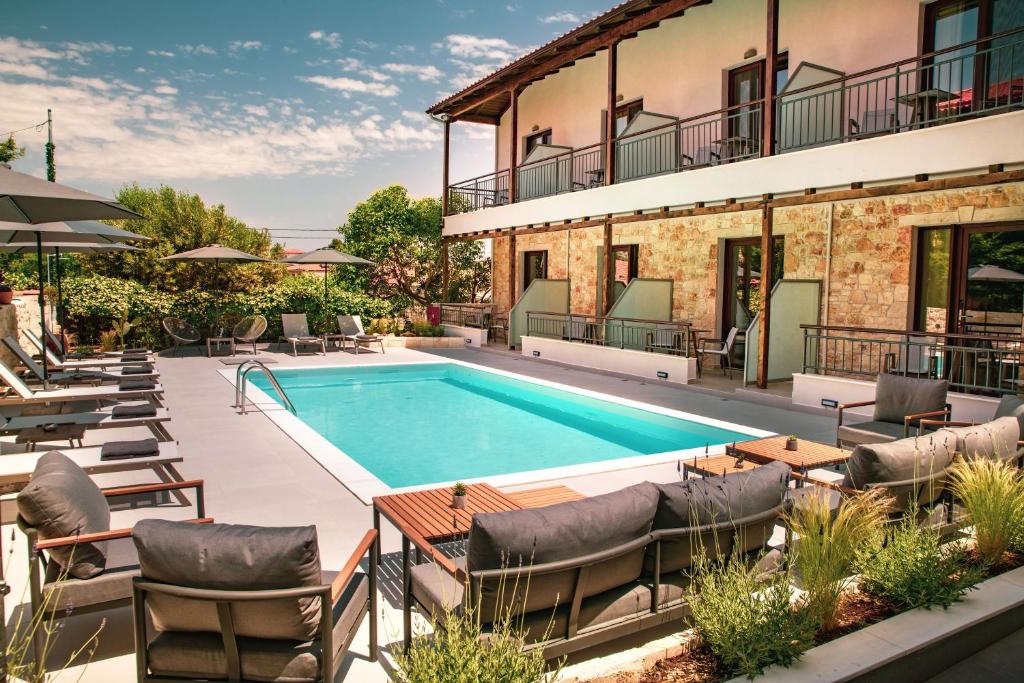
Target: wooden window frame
526 267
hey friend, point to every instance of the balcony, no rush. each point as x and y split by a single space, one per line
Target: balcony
914 94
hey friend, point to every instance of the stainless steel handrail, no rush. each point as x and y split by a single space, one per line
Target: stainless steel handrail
240 383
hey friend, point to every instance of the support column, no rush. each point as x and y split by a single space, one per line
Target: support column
511 270
609 131
770 80
513 143
767 214
444 173
445 274
609 269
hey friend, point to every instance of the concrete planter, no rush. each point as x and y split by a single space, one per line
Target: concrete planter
424 342
661 366
471 336
918 644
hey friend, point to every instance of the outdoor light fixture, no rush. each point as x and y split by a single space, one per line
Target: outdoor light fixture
536 354
662 374
830 403
750 53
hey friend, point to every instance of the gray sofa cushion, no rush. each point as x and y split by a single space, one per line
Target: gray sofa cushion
721 500
1011 406
561 532
896 397
61 500
872 431
995 440
232 557
902 460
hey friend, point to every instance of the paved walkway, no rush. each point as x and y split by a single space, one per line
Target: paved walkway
255 474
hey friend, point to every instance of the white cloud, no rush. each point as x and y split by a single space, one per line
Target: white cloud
165 90
561 18
352 85
427 72
159 53
256 110
331 40
24 70
237 45
199 49
476 47
288 50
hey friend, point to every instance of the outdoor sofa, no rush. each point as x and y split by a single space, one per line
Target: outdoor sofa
900 404
577 574
246 603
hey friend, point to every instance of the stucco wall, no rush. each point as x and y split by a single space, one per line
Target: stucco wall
869 277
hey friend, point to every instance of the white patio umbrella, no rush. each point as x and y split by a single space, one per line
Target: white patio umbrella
218 254
327 257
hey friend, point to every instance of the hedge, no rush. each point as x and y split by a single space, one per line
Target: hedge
93 302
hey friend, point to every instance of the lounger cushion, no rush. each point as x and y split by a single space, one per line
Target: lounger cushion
561 532
896 397
872 431
1011 406
995 440
232 557
722 501
201 655
901 460
61 500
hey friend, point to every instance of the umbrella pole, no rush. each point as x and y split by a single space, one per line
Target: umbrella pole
60 300
42 307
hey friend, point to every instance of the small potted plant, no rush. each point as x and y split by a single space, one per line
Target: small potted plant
791 443
6 293
459 496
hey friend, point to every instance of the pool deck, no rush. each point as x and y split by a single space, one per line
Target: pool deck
255 474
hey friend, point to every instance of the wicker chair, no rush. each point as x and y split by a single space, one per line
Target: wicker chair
249 330
181 333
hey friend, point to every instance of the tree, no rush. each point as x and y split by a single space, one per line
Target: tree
403 237
9 150
178 222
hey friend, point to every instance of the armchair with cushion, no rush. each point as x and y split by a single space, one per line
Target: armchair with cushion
900 403
246 603
75 558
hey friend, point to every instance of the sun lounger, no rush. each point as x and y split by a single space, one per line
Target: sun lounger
55 361
79 376
352 328
295 331
54 341
25 394
16 468
117 417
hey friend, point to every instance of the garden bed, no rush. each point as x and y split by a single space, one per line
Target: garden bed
424 342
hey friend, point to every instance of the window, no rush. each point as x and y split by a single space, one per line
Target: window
625 113
626 262
781 71
541 138
535 267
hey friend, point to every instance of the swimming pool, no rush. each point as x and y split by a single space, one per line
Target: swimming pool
414 424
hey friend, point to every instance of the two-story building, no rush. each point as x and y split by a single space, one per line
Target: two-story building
870 152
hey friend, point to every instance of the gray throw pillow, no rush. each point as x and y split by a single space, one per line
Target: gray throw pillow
896 397
232 557
1011 406
721 500
995 440
907 459
61 500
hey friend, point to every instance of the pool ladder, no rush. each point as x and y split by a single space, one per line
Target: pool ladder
240 384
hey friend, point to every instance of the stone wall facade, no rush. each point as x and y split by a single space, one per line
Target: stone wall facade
867 281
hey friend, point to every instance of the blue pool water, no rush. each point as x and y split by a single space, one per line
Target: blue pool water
432 422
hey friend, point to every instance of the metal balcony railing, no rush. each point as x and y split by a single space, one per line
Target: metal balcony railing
484 191
466 315
663 336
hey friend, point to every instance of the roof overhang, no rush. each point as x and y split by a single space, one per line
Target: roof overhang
487 99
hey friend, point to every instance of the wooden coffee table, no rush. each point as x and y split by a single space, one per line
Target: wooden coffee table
716 465
808 454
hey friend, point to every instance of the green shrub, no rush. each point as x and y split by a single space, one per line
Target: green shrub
992 493
825 552
425 329
746 618
456 654
913 568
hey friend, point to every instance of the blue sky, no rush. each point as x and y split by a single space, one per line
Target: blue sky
287 112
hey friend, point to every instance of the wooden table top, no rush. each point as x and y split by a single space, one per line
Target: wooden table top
542 497
716 465
809 454
429 514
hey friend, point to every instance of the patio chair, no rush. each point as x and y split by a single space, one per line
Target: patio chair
181 333
724 352
117 359
295 330
900 403
76 561
129 389
666 337
249 330
246 603
77 376
352 327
